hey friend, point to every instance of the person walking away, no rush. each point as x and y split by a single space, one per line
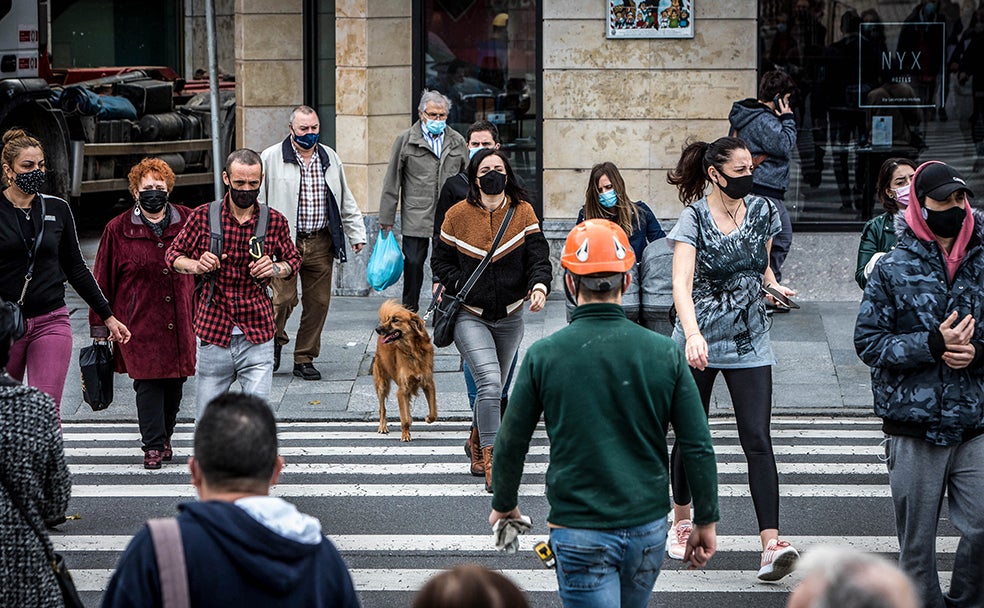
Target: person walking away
608 473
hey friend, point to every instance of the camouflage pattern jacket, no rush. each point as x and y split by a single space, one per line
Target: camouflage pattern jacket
907 298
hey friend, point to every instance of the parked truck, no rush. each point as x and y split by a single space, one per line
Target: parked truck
96 123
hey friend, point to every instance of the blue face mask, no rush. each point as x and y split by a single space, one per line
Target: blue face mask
607 199
436 127
473 151
306 141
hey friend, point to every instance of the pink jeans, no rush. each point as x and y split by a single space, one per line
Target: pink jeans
45 351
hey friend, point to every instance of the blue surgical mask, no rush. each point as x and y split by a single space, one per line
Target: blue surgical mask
607 199
436 127
306 141
473 151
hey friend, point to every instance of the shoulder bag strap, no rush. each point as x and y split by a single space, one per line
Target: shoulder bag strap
169 551
214 244
463 292
34 255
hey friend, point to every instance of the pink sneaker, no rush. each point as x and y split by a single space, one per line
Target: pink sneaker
778 560
676 538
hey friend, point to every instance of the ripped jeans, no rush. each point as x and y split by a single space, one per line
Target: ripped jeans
605 568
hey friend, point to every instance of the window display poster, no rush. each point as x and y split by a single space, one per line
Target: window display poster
650 18
901 64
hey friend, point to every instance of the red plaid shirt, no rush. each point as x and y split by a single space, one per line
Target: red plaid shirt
239 299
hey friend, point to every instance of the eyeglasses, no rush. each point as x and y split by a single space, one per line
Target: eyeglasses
436 115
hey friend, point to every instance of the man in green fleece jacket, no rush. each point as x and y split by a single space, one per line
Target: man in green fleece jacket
607 389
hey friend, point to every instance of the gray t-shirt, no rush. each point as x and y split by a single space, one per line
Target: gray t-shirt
728 277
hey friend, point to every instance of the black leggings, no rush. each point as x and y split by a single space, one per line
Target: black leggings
751 395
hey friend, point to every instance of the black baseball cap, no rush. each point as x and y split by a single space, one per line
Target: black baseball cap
938 181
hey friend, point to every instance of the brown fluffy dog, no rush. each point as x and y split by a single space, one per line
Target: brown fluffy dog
405 355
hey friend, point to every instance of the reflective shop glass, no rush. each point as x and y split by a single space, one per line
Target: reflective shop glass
876 80
482 55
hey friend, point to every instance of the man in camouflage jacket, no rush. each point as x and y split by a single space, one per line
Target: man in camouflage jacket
917 330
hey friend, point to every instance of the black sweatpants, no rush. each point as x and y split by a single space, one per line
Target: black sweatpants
158 402
751 395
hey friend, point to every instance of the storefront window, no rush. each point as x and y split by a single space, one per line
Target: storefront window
319 64
877 79
483 55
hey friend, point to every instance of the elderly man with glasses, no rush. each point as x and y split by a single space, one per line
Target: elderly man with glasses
422 159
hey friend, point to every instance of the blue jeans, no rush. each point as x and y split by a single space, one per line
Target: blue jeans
608 568
217 368
472 388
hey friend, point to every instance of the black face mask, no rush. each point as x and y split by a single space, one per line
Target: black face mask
30 182
152 201
492 182
244 199
945 224
738 186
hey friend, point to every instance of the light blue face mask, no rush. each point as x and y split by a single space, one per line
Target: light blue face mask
473 151
607 199
436 127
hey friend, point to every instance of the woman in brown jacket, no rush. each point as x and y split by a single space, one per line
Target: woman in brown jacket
155 302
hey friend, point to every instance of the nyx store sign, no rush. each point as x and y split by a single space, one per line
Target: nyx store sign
899 64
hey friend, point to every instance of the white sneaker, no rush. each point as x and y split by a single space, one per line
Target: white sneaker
778 560
676 538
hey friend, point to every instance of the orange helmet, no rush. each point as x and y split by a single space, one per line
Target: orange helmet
597 247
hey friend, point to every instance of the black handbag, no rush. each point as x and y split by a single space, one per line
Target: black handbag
96 367
70 594
446 313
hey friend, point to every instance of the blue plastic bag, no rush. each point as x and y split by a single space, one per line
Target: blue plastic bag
386 262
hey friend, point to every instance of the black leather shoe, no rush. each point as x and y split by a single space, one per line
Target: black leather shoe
276 356
306 371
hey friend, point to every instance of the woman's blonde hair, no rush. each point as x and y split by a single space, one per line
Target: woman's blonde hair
15 141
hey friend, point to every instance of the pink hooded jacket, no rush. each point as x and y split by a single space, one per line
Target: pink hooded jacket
914 218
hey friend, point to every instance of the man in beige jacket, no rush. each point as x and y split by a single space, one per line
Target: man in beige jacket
305 181
422 159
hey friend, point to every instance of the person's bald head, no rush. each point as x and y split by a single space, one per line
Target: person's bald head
844 578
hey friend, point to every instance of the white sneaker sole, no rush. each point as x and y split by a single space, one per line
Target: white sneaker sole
782 565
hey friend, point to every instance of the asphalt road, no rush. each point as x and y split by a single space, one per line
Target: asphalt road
402 512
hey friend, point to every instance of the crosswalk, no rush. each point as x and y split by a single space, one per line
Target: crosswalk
400 513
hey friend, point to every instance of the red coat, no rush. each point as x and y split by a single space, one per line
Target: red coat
153 301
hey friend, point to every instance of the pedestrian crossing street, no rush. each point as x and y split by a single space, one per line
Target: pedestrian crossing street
401 513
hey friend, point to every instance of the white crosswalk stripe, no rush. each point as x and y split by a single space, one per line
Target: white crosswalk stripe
353 474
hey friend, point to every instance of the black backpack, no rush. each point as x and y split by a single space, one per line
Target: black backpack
215 241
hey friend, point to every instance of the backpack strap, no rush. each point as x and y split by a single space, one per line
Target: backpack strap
262 221
214 244
165 535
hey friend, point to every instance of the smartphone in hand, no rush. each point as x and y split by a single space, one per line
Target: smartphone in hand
779 297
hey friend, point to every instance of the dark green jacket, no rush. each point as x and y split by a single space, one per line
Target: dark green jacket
608 390
877 236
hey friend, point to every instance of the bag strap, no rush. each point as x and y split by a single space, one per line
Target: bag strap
463 292
34 254
262 220
214 244
165 534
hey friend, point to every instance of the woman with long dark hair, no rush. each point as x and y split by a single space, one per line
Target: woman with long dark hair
606 199
878 236
489 327
721 250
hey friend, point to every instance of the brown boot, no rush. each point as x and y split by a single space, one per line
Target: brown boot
487 460
475 453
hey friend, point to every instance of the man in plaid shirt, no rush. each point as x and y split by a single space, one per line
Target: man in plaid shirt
235 329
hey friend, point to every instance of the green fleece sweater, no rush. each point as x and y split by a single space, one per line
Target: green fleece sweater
607 389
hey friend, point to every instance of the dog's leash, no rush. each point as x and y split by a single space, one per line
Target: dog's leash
433 304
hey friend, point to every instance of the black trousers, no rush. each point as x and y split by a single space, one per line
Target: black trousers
414 255
751 395
158 402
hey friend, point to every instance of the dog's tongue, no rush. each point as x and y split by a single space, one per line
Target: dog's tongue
390 337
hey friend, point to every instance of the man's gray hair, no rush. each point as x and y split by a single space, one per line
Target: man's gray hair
853 579
301 109
433 97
